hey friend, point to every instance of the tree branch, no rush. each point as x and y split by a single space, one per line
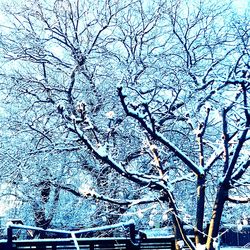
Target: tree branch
238 200
159 137
96 196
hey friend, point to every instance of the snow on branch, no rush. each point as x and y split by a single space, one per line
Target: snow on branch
218 153
240 171
201 131
237 152
159 137
225 140
96 196
238 200
187 177
102 155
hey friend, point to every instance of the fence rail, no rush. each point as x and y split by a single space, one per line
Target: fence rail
91 244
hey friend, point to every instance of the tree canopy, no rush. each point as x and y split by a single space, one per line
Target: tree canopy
127 103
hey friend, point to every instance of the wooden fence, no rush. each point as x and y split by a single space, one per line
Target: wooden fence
91 244
68 240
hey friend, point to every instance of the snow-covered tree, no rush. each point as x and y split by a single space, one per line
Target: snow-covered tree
153 97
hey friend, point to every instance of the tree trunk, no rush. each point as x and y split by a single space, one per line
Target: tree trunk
39 205
199 237
214 226
180 235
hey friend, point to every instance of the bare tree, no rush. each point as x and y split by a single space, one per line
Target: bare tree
157 93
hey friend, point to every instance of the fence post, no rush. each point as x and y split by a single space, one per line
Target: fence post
133 244
91 246
9 238
173 244
132 232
